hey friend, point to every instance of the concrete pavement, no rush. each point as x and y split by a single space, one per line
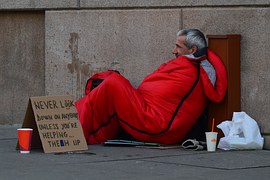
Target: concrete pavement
103 162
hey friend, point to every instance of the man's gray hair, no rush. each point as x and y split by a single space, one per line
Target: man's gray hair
194 37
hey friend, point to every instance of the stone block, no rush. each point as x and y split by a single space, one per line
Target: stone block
21 62
112 4
266 142
37 4
171 3
81 43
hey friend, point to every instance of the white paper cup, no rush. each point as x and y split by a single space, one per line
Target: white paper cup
211 141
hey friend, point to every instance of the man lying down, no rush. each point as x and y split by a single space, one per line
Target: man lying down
166 104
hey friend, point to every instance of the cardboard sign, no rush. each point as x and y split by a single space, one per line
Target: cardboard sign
55 124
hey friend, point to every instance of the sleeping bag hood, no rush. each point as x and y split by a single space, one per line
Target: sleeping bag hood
216 92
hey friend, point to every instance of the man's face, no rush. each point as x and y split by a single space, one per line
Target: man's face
180 48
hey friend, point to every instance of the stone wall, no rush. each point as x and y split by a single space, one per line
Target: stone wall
51 47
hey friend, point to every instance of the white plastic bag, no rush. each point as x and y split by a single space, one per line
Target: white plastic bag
240 133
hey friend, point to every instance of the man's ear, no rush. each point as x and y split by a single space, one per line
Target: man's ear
193 49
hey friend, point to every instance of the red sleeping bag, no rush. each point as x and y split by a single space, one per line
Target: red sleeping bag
162 109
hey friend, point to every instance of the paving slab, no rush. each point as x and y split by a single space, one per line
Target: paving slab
225 160
107 162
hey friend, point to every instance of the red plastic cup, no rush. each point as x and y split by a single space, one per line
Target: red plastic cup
25 137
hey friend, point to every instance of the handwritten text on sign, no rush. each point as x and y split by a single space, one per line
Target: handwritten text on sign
58 124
